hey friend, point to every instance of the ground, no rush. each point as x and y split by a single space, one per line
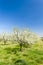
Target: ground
11 55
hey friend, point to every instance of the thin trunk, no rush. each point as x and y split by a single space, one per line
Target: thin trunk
20 46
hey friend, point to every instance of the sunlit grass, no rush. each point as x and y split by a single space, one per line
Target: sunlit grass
10 55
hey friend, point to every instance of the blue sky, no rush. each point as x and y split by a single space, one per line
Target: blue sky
20 14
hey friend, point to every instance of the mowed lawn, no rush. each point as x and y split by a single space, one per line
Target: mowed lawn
11 55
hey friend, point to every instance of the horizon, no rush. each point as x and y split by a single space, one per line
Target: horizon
21 14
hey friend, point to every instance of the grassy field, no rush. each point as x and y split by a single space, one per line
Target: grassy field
10 55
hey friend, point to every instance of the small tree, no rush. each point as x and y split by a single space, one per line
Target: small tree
4 39
24 37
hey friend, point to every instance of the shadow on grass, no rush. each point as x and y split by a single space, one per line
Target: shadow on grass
20 62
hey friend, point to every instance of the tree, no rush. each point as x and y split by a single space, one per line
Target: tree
21 37
24 37
4 38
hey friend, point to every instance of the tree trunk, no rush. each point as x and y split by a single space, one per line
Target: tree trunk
20 46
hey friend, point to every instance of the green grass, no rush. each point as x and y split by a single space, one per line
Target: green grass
10 55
